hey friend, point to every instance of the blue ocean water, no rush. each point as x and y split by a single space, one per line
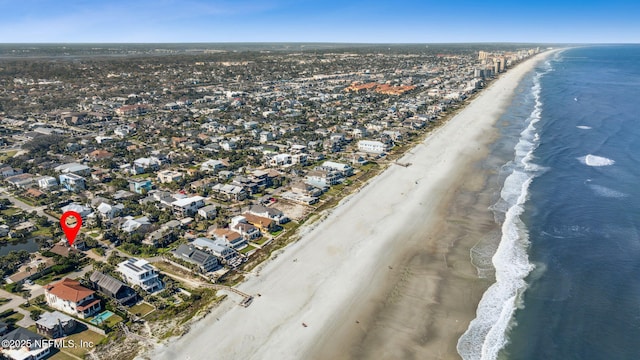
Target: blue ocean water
568 263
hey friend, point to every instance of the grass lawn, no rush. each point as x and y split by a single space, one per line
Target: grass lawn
7 154
4 301
29 308
247 249
42 231
48 278
13 317
62 356
141 308
172 269
113 320
263 239
86 336
10 211
26 200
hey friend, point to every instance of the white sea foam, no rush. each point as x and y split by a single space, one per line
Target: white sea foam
606 192
584 127
487 333
593 160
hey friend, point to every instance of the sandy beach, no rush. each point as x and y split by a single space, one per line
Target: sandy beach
387 275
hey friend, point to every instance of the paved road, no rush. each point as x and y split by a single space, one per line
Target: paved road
14 304
26 207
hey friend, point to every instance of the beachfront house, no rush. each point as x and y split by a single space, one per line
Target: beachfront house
72 298
139 272
371 146
113 288
217 247
267 212
205 261
230 237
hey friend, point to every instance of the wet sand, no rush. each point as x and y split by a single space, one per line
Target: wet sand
387 275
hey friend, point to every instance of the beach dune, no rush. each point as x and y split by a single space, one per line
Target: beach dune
386 274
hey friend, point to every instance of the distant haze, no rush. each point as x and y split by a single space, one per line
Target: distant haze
357 21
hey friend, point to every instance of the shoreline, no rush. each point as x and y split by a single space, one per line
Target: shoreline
325 279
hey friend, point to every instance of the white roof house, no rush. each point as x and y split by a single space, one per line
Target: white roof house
188 206
73 168
140 272
47 182
84 211
132 224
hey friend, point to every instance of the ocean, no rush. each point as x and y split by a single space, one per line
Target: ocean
567 264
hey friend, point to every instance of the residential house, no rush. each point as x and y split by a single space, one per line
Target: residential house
261 179
217 247
15 349
208 212
140 186
230 237
187 206
228 192
213 166
141 225
300 187
101 175
265 224
72 298
160 237
139 272
370 146
84 211
74 168
301 159
109 212
144 164
55 324
267 212
241 225
34 193
72 182
47 183
205 261
280 160
344 169
99 154
323 178
7 171
21 181
169 176
113 288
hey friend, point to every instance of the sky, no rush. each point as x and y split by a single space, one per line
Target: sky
350 21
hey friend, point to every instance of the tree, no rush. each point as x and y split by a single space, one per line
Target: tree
26 294
35 314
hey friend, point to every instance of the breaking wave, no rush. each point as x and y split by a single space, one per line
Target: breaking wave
593 160
487 333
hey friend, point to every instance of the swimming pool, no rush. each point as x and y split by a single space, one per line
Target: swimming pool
100 318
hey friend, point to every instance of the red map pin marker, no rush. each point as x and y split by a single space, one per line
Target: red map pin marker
71 231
